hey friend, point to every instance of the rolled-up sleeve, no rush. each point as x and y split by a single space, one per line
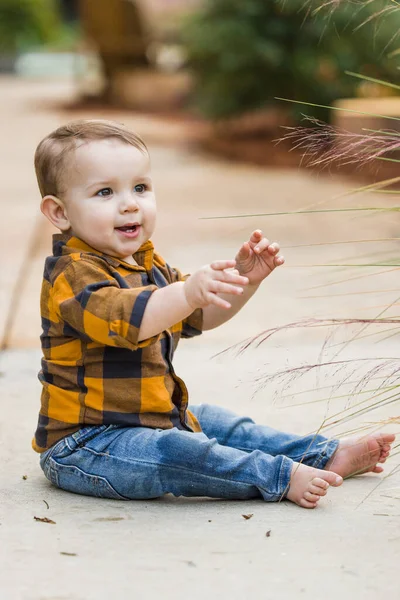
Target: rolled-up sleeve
193 324
100 311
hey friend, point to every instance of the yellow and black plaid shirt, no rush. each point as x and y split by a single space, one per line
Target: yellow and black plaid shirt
94 370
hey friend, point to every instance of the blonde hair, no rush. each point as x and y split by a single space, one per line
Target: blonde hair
53 152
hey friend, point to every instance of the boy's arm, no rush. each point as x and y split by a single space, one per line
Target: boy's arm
89 300
94 307
166 307
209 286
169 305
218 289
214 316
255 260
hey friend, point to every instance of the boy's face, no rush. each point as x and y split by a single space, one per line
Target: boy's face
109 198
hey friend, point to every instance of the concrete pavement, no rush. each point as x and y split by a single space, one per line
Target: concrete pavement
179 548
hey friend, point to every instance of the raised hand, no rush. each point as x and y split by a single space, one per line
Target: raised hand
257 258
202 288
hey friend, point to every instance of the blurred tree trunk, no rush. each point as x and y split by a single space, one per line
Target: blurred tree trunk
69 10
117 30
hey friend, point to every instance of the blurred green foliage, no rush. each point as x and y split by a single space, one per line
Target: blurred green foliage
243 53
26 23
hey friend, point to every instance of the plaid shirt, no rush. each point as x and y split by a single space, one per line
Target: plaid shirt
94 369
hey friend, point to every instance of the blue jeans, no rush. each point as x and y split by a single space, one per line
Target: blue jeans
232 458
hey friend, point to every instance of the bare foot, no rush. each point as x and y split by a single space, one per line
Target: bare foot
308 485
361 455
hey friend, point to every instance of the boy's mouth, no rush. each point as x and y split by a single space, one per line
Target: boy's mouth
130 230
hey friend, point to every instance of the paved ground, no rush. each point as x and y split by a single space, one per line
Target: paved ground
177 548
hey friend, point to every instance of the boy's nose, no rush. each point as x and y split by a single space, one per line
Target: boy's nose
129 204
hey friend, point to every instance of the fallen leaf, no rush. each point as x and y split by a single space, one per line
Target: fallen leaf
268 534
68 553
44 520
247 517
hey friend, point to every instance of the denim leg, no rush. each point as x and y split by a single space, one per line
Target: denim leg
141 463
242 433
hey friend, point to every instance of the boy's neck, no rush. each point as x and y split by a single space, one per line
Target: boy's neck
129 260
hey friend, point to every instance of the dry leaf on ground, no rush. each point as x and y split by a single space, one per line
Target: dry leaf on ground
44 520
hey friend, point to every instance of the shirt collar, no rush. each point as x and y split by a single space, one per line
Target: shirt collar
65 243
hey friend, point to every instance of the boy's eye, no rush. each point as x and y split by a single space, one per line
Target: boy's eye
104 192
140 188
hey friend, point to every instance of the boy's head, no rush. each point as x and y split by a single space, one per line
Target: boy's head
94 178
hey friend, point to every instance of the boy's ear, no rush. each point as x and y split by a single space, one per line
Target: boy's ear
54 209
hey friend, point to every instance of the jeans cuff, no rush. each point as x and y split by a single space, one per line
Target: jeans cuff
328 451
284 477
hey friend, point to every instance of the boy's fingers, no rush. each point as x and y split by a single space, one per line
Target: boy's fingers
279 260
220 265
214 299
261 246
219 287
231 277
256 236
274 248
232 271
244 251
265 245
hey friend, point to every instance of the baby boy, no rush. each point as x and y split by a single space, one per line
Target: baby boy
114 419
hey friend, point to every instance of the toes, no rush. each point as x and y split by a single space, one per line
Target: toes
320 491
320 483
377 469
385 453
386 438
311 497
386 449
331 478
306 504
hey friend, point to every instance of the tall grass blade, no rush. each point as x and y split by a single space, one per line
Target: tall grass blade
358 112
307 212
373 80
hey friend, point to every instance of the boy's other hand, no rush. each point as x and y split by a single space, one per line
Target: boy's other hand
202 288
258 257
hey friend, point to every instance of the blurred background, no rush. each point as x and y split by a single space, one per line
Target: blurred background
203 81
226 63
